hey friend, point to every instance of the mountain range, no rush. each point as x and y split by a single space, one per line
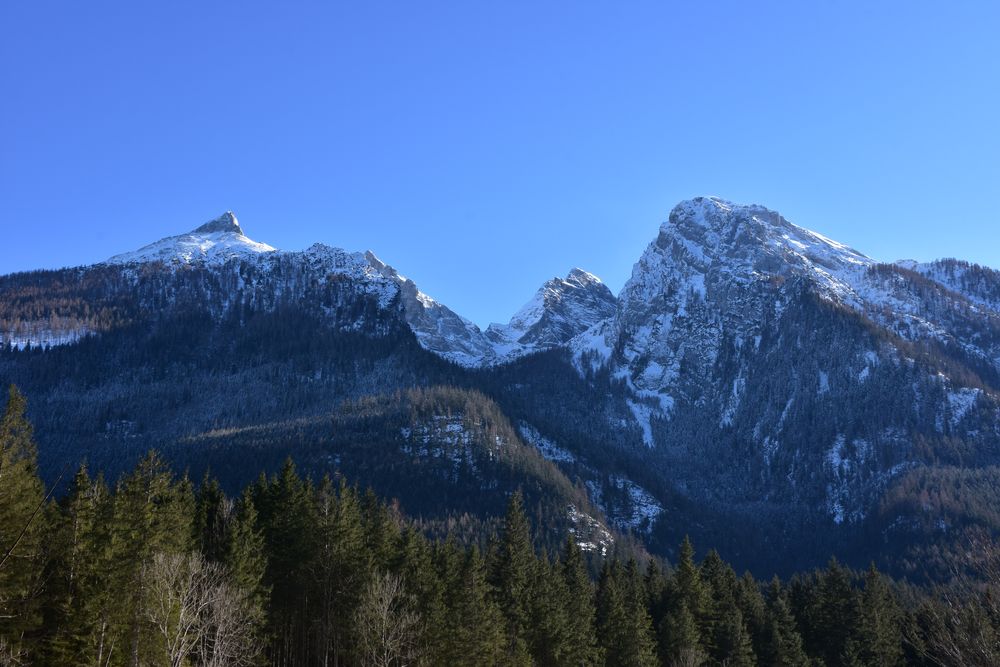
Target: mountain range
775 394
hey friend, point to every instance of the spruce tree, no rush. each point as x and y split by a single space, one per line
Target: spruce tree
624 629
512 567
210 520
782 642
641 642
244 555
834 614
581 628
880 638
427 590
22 529
548 627
680 638
684 632
474 622
151 515
732 643
74 580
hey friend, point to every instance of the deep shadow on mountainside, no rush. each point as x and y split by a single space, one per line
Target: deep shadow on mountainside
773 394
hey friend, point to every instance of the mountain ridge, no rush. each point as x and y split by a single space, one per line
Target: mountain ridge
751 373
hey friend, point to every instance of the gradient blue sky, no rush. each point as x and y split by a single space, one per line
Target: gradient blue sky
482 148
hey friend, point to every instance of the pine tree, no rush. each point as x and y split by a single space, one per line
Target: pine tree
22 529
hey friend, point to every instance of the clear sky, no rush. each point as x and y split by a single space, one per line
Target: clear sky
483 147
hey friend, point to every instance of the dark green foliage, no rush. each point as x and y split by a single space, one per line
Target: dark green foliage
879 638
624 628
781 644
22 529
512 574
303 558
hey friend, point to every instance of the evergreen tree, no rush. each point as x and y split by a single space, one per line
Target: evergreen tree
151 515
474 622
287 519
732 643
680 639
427 592
623 625
548 627
833 615
684 632
642 643
22 529
210 520
880 639
343 562
512 567
74 579
244 555
782 645
753 607
581 628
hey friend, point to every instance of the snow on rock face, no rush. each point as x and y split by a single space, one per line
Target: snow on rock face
437 327
215 242
714 267
719 271
219 241
561 309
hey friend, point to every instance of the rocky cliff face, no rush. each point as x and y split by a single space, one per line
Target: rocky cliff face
750 373
561 309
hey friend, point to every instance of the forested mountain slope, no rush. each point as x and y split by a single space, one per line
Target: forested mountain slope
755 385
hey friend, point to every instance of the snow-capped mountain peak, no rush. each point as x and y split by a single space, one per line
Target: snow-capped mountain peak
215 242
561 309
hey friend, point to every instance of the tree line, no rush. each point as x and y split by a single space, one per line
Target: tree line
156 570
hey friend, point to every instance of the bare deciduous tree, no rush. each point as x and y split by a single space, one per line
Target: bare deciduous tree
197 613
385 624
964 620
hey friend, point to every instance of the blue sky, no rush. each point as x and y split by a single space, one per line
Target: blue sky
482 148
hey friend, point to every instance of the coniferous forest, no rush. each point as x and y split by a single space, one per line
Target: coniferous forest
154 569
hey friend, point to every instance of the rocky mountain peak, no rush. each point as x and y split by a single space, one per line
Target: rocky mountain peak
561 309
226 222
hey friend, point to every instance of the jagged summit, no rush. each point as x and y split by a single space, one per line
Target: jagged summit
226 222
216 241
561 309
